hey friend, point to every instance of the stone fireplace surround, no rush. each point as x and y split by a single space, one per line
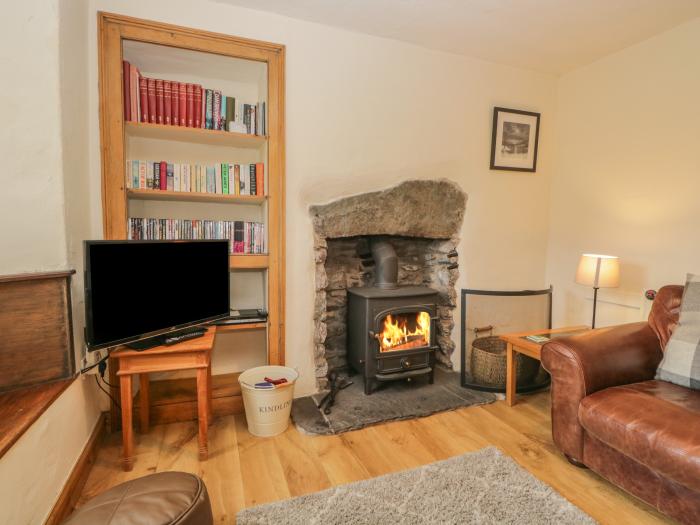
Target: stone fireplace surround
422 219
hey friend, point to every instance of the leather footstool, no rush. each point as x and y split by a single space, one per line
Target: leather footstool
164 498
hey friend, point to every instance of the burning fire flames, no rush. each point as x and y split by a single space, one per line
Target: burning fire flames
397 336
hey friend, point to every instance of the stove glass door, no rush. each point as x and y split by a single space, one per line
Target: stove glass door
404 331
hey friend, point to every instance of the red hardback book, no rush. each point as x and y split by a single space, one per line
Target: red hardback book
190 105
160 110
260 178
126 70
176 103
151 100
197 103
134 95
167 102
182 88
163 175
143 93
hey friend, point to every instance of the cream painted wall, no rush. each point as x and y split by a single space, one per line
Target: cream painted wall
627 174
74 139
31 201
44 214
364 113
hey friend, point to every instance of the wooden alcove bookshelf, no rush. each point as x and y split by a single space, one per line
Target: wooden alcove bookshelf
216 57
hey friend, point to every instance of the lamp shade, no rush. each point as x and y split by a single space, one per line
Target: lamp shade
598 271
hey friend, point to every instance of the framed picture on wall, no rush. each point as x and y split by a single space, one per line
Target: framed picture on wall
514 140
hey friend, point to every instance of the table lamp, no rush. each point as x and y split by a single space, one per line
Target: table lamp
598 271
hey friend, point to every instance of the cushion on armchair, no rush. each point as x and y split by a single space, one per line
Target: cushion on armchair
681 361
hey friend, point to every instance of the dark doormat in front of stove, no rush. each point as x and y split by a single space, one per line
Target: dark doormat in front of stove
395 400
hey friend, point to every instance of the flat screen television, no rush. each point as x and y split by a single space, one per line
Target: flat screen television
137 290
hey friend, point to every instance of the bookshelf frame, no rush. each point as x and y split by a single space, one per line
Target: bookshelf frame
112 30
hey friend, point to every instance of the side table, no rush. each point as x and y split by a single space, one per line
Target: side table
193 354
518 343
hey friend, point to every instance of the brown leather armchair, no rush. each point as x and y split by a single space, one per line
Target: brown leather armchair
609 414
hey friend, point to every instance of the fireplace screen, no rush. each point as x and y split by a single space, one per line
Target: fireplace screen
485 315
403 331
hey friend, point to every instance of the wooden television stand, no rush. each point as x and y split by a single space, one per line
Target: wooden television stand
192 354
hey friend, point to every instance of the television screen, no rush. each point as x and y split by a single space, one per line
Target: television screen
140 289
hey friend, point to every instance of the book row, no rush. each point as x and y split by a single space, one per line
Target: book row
224 179
245 237
189 105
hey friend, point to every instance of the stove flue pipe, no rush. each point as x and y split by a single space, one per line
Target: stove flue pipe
386 270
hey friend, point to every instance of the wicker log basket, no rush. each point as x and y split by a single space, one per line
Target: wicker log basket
488 363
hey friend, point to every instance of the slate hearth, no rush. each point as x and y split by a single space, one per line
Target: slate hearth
392 401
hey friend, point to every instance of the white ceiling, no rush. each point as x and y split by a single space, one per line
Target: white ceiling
546 35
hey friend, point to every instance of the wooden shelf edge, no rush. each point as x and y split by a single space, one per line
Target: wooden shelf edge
248 262
224 328
190 196
199 135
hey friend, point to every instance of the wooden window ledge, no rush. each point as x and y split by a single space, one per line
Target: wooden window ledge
20 408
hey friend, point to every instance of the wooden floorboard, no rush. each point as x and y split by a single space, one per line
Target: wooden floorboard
244 470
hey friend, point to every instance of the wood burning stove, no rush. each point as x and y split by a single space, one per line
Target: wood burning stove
391 328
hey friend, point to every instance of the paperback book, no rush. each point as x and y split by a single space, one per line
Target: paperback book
244 237
224 178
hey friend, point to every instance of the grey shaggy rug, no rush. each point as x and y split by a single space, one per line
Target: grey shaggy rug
483 487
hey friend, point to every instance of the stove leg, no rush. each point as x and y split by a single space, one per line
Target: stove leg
368 386
431 376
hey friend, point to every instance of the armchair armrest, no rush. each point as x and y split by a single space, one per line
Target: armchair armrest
583 364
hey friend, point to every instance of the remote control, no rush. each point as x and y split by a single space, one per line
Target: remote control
185 336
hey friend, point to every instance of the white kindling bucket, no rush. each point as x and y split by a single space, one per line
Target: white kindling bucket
267 411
